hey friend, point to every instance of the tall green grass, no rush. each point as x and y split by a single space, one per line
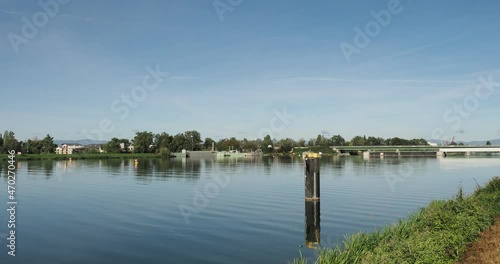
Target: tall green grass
438 233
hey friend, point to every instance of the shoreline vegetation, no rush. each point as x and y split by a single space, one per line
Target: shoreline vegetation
442 232
85 156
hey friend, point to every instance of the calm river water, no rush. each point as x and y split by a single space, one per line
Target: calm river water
214 211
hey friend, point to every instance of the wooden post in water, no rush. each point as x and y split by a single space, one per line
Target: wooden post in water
312 226
312 163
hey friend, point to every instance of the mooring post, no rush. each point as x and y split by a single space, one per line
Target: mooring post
312 163
312 226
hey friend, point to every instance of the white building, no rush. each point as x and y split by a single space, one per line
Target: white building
432 144
68 149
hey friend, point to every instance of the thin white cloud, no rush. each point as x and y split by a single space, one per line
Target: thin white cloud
9 12
182 77
493 72
103 21
329 79
418 49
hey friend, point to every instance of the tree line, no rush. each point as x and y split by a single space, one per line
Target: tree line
164 143
149 142
32 146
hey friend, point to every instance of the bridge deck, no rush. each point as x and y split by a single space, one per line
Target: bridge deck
449 150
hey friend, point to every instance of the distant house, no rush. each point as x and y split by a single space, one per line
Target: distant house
125 147
97 147
69 148
432 144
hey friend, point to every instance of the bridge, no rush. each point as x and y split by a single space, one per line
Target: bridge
368 151
469 150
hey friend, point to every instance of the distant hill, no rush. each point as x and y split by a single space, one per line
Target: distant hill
80 141
471 143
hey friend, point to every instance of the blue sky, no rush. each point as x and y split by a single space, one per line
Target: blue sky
228 77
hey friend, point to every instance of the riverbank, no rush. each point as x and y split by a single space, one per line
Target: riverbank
486 250
83 156
438 233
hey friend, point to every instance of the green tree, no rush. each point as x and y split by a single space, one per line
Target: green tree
113 146
179 142
91 149
374 141
321 140
207 144
286 144
142 142
9 141
165 152
194 138
488 143
47 145
32 146
301 143
338 140
229 144
162 140
358 141
249 145
310 143
267 144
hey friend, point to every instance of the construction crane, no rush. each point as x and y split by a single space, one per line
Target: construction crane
452 142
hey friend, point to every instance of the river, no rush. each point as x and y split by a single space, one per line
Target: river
249 210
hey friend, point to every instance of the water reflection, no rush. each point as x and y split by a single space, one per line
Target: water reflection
188 169
312 226
45 166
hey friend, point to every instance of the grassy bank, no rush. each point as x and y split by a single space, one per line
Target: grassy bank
83 156
438 233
